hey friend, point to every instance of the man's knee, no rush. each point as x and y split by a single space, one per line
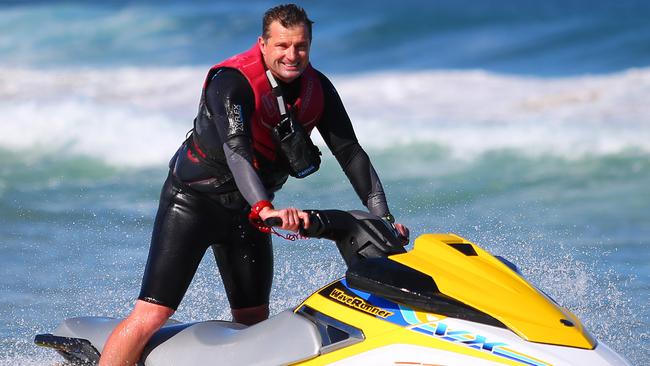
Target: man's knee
149 315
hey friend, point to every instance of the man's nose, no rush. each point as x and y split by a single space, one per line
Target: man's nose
291 53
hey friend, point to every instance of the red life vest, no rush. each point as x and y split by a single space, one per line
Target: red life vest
307 109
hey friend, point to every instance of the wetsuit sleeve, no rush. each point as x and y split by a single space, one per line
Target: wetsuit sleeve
231 102
336 128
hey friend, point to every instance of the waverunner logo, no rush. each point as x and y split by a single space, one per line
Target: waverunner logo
359 304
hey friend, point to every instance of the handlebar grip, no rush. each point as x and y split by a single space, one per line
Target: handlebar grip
273 221
316 224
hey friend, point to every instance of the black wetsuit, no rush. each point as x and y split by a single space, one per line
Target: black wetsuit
199 209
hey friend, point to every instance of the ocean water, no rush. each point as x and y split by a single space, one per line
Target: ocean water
521 125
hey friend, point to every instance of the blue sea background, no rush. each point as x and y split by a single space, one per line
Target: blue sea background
521 125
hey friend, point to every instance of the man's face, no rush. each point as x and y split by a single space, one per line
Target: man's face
286 51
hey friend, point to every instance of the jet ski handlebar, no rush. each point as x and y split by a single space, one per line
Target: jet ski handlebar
357 234
274 221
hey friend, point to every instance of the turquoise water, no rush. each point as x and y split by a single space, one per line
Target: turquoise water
523 127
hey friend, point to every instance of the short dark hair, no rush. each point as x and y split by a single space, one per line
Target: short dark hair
289 15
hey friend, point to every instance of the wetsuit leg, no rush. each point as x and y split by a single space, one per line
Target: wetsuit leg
185 226
245 262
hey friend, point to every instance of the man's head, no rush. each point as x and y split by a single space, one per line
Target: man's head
285 41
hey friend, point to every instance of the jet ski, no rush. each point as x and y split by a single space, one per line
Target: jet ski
445 302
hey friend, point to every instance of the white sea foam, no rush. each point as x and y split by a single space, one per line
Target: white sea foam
137 116
475 111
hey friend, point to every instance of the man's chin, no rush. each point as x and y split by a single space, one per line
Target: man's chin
290 76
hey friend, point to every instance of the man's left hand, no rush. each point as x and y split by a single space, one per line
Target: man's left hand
403 232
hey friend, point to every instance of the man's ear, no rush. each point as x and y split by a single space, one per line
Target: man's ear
261 44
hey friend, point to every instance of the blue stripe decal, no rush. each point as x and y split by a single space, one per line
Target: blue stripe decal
517 357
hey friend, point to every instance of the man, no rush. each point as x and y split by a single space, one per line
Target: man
256 111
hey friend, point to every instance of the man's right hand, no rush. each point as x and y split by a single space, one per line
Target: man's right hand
292 218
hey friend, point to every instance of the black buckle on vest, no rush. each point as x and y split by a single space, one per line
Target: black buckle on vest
285 128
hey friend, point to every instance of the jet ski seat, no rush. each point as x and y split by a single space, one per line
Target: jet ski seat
282 339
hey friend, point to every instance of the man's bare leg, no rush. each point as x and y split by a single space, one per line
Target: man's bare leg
125 344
